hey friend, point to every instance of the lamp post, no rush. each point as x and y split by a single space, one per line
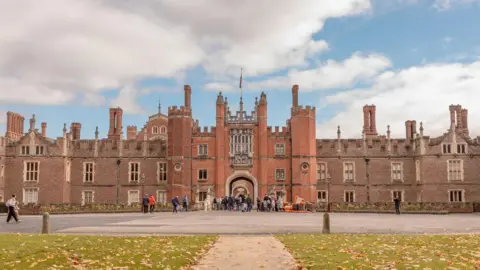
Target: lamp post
142 178
328 192
118 181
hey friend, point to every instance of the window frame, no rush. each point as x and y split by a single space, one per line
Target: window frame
402 194
131 172
84 197
462 192
345 196
344 169
461 170
24 192
161 173
392 172
25 171
325 193
283 172
202 174
85 172
128 196
202 150
282 146
319 164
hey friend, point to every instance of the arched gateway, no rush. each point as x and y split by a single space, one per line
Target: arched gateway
242 182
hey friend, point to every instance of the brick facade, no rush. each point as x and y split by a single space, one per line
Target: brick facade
172 155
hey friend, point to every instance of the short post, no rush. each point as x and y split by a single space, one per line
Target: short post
326 223
46 223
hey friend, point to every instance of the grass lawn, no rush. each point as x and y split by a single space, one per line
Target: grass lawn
341 251
19 251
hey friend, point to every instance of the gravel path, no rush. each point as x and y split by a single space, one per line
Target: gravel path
247 252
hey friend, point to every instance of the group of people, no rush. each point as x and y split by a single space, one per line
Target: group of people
240 203
148 203
270 204
176 204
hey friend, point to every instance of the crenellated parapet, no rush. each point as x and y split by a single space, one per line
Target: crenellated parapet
110 148
181 111
300 111
278 131
205 132
377 146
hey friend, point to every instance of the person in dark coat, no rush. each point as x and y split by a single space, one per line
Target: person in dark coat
175 204
145 203
397 205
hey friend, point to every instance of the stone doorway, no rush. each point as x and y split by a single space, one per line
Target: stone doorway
242 182
241 187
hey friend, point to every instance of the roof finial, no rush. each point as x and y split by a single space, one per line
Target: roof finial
96 133
159 107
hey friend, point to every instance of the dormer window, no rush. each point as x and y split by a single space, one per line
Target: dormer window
461 148
25 150
447 148
39 149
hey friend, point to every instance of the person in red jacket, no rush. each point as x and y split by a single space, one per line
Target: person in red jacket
151 202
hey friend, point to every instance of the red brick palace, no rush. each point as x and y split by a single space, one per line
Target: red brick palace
172 155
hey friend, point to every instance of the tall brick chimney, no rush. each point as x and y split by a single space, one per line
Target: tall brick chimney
369 120
295 96
44 129
465 121
188 96
131 132
410 129
15 126
115 129
75 129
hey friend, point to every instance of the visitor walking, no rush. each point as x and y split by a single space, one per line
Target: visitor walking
259 205
175 204
151 202
185 203
145 203
397 205
280 204
12 206
249 203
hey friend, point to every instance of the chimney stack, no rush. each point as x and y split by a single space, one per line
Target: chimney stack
188 96
32 123
44 129
295 96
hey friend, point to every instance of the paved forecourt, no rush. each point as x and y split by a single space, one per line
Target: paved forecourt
220 222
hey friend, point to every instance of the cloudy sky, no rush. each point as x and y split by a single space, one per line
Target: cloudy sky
71 60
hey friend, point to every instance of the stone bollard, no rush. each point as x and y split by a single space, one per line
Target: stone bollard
46 223
326 223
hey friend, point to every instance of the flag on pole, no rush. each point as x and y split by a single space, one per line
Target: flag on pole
241 75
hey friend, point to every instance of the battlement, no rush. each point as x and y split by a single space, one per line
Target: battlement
176 111
198 132
308 111
109 147
278 131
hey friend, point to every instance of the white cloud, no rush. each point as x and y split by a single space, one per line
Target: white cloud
126 100
53 52
420 93
327 75
443 5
